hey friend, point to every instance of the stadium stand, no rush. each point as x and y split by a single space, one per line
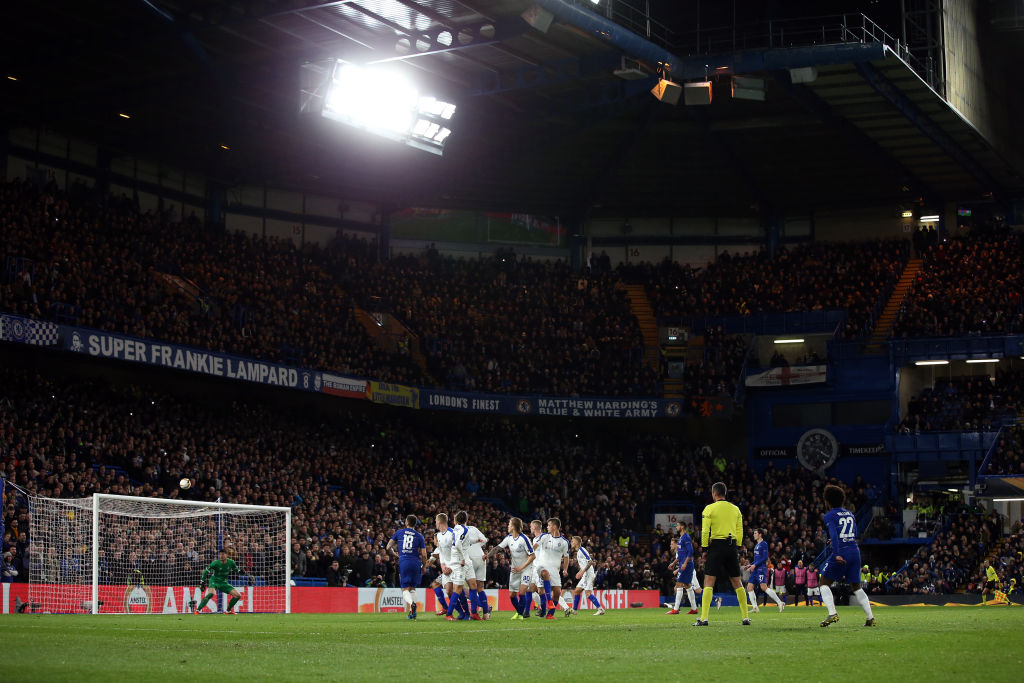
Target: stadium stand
1008 456
351 479
970 285
812 277
953 558
974 403
496 324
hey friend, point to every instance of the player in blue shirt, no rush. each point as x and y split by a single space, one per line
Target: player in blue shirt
759 573
843 563
683 564
412 554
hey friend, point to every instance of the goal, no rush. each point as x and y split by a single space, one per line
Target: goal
124 554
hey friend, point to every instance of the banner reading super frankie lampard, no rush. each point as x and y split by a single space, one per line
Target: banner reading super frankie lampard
119 347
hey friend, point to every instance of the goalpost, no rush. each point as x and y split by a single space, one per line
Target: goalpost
115 554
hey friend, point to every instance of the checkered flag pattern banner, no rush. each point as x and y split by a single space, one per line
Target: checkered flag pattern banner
14 328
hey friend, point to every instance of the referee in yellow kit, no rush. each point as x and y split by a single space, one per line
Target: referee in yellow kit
721 532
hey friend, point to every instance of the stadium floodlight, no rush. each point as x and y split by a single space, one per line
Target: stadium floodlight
789 341
1007 500
931 218
382 101
374 99
932 362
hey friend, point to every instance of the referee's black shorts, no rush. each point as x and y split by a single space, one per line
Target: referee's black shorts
722 559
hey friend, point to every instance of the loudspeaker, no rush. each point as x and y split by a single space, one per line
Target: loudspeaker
807 74
667 91
745 88
538 17
698 93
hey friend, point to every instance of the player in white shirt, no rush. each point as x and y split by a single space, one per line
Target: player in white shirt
476 584
522 556
460 560
443 553
553 555
585 576
534 590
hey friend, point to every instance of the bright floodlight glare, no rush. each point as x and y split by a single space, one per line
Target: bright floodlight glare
381 101
373 98
435 107
431 105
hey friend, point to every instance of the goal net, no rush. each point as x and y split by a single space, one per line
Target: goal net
122 554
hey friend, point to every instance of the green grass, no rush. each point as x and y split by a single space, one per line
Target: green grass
910 643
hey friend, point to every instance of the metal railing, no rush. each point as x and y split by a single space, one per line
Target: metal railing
635 15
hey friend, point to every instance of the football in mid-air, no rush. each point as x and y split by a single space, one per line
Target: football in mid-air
185 483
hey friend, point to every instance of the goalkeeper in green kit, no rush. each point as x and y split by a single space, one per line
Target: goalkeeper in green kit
218 572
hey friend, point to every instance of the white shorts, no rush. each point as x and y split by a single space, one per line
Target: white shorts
458 575
467 571
587 582
780 590
553 576
517 580
814 591
445 579
480 569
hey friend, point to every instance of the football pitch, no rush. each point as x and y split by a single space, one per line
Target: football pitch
909 643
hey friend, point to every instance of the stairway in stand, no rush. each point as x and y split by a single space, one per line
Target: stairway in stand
387 334
641 307
892 307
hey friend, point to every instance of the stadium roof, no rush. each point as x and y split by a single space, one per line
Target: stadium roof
543 124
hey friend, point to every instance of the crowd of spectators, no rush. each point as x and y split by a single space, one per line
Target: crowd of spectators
854 277
491 324
972 403
351 478
1008 456
954 557
1008 561
100 267
969 285
507 324
718 369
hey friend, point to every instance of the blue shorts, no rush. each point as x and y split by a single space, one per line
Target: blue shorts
410 573
685 576
848 571
758 576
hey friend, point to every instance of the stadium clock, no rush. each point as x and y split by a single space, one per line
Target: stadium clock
817 450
